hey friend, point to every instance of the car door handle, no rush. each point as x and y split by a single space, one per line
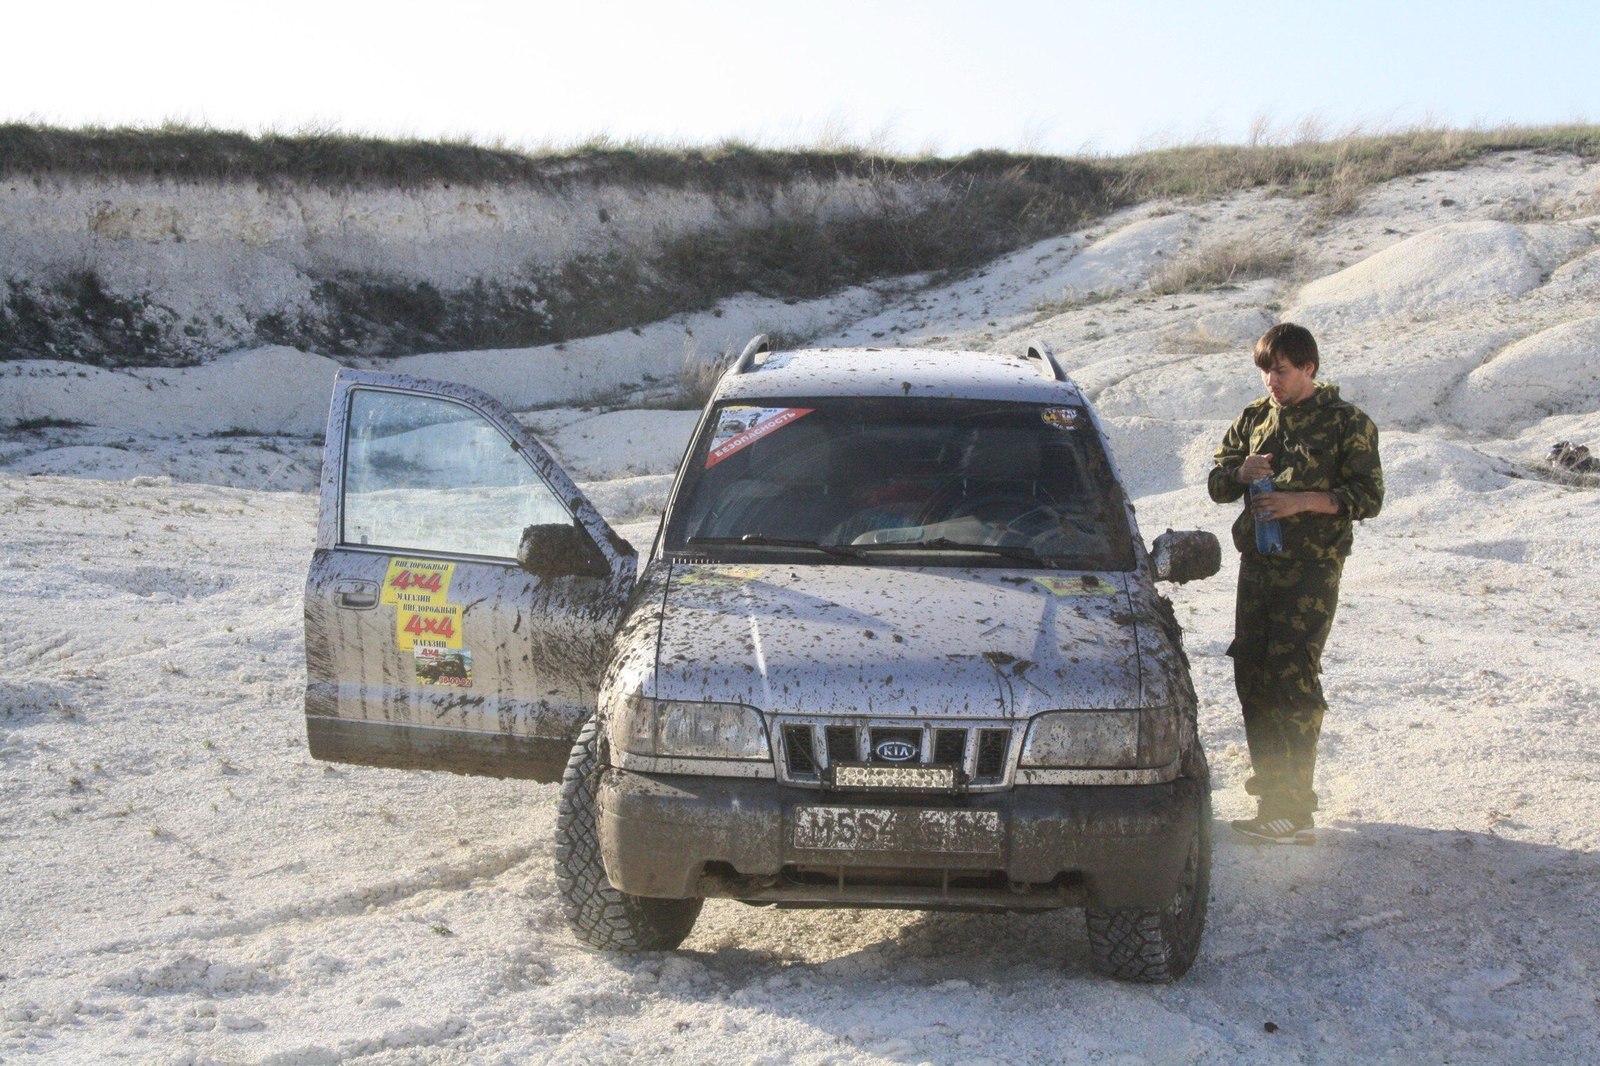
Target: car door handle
356 595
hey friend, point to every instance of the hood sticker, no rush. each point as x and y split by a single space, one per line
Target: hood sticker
722 576
740 427
1060 417
438 666
1087 585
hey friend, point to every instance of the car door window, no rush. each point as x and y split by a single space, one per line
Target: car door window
425 474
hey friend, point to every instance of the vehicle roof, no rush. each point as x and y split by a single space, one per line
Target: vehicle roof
920 372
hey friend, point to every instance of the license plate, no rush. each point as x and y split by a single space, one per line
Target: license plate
897 829
876 775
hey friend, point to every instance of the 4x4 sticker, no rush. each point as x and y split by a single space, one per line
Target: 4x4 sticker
740 427
413 581
428 625
1087 585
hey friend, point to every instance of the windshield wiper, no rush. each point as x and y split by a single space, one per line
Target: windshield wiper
761 540
945 544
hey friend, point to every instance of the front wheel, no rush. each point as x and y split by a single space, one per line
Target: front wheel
601 916
1158 946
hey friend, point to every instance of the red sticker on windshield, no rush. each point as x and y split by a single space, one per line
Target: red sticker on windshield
740 427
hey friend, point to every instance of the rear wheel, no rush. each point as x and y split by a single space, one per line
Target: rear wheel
601 916
1158 946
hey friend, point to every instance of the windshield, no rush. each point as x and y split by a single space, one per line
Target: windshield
926 482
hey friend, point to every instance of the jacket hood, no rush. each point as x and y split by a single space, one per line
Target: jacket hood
837 640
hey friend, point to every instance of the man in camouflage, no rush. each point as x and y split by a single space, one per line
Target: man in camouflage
1322 455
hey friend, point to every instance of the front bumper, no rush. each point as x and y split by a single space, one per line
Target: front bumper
1028 848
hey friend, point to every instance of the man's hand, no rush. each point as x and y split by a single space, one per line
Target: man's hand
1284 504
1254 468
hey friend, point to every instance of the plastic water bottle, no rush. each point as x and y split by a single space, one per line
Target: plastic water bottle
1269 534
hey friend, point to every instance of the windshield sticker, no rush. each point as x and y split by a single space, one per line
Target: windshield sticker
413 581
436 666
1087 585
722 575
428 625
740 427
1060 417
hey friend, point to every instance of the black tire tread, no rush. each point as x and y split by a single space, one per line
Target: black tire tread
599 915
1157 946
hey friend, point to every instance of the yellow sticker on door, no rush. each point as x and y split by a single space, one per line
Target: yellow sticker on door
428 625
414 581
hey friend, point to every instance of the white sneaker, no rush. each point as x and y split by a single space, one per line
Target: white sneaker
1259 830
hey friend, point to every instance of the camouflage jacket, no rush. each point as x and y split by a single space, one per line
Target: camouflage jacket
1323 444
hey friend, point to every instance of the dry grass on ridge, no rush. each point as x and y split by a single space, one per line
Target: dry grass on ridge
1223 263
964 212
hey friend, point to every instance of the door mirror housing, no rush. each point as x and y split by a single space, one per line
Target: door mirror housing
1186 555
560 550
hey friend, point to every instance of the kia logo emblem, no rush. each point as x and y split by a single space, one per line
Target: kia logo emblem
895 750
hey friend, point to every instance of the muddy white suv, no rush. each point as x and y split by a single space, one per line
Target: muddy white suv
897 643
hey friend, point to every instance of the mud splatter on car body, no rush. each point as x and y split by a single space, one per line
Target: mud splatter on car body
896 643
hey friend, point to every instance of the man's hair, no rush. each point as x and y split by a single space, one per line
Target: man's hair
1294 343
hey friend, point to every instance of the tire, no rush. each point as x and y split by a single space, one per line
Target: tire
601 916
1159 946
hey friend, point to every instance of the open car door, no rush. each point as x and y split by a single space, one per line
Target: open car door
463 593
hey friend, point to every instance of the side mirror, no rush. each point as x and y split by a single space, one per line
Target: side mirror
1186 555
559 550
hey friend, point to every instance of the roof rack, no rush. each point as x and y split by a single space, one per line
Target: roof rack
1048 367
747 358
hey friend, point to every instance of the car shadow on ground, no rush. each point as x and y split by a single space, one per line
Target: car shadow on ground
1482 941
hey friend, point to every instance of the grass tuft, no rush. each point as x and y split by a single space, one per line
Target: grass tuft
697 380
30 425
1223 263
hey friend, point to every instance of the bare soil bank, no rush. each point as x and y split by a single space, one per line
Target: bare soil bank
128 247
118 252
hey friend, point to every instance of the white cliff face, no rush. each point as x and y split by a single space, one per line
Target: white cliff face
452 233
157 271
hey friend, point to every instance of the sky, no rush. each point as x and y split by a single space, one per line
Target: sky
934 76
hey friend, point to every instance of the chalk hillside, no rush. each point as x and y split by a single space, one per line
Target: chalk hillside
183 883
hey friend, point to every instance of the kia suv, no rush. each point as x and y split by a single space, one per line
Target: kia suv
897 643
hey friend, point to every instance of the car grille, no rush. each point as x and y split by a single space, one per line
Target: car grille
993 745
844 742
981 752
800 750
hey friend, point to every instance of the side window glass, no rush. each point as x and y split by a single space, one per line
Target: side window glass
426 474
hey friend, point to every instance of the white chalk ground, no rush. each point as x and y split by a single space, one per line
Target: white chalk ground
183 884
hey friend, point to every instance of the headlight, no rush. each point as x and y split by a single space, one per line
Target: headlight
689 729
1103 739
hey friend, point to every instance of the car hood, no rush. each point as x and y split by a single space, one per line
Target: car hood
832 640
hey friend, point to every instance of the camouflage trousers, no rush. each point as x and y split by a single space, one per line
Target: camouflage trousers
1281 621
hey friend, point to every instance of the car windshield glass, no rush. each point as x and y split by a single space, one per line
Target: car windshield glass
910 481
